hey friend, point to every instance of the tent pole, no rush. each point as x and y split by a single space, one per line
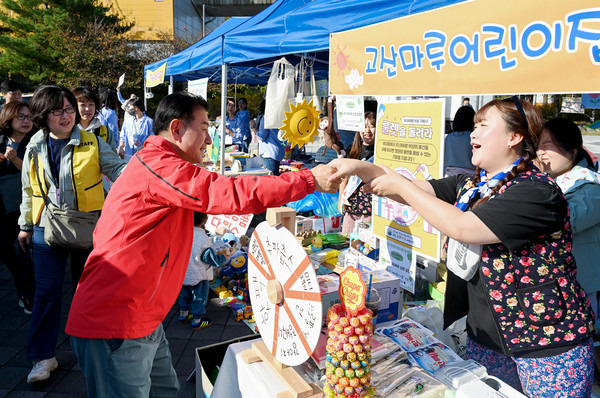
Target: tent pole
223 114
170 85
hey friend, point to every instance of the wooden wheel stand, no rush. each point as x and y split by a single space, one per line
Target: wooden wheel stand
297 386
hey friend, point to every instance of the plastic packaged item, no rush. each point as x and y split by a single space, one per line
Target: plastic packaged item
459 373
490 387
322 204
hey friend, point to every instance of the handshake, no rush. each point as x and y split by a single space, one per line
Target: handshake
322 174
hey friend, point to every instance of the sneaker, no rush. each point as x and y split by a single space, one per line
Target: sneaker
184 316
41 370
27 305
202 323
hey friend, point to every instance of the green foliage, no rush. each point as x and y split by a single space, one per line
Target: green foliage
71 42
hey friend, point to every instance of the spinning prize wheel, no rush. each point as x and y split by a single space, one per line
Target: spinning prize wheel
285 294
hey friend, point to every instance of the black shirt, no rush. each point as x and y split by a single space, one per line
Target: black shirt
521 213
55 146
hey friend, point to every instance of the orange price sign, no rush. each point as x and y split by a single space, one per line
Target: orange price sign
352 290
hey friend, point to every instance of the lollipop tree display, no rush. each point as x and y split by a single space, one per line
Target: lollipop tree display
350 331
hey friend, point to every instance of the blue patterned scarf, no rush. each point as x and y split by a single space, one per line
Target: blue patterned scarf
485 186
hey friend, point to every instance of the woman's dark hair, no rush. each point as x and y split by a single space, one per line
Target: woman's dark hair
200 218
356 148
9 112
179 105
108 98
463 119
530 128
47 98
139 102
83 93
567 135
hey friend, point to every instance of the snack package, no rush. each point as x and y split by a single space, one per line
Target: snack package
433 356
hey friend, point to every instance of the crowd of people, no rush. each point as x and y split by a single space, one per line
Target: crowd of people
517 206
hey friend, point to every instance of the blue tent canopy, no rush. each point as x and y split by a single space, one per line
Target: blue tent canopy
287 28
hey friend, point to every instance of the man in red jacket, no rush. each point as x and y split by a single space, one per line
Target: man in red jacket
142 246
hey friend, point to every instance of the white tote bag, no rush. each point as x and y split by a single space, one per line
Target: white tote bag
316 100
280 92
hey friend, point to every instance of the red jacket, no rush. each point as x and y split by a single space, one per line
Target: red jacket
143 239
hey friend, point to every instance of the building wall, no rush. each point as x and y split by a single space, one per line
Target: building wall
149 16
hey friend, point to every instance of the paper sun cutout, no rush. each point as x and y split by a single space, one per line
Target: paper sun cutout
301 124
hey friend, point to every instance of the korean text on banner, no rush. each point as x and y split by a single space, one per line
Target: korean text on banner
506 47
157 76
410 141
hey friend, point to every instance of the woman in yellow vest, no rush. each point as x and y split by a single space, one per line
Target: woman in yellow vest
63 166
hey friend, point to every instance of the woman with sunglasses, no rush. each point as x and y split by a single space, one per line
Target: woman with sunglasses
511 269
63 165
15 132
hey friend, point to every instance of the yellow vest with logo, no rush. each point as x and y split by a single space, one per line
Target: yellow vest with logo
86 178
102 132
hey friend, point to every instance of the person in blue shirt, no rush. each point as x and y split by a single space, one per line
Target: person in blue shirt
270 148
243 124
457 144
135 130
109 111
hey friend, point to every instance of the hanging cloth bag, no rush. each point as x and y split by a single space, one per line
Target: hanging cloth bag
280 92
72 229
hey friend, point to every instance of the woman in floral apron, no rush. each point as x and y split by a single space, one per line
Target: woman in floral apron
510 260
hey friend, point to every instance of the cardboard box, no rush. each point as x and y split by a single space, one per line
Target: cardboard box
386 284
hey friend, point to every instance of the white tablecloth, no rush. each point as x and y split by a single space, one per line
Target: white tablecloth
239 379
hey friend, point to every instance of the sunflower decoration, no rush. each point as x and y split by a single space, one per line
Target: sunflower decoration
301 124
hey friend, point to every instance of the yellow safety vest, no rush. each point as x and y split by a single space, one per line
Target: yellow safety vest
102 132
86 177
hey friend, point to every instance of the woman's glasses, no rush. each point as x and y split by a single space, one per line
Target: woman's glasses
59 112
22 116
515 100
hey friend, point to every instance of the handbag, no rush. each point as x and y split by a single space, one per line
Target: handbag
280 92
71 229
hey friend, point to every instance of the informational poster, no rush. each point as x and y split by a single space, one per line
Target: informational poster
322 88
399 261
121 80
350 112
198 87
285 294
156 77
590 101
495 47
237 224
410 141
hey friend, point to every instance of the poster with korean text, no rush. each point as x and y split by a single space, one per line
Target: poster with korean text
410 141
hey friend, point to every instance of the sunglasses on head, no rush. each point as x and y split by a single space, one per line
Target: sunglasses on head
515 100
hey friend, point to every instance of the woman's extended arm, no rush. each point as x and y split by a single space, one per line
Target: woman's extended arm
462 226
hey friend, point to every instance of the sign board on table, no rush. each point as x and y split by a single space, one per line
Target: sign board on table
475 47
410 141
237 224
399 261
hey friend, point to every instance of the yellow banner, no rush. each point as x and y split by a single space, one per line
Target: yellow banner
476 47
157 76
409 140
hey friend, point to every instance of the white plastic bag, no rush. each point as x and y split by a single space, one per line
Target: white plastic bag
280 92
